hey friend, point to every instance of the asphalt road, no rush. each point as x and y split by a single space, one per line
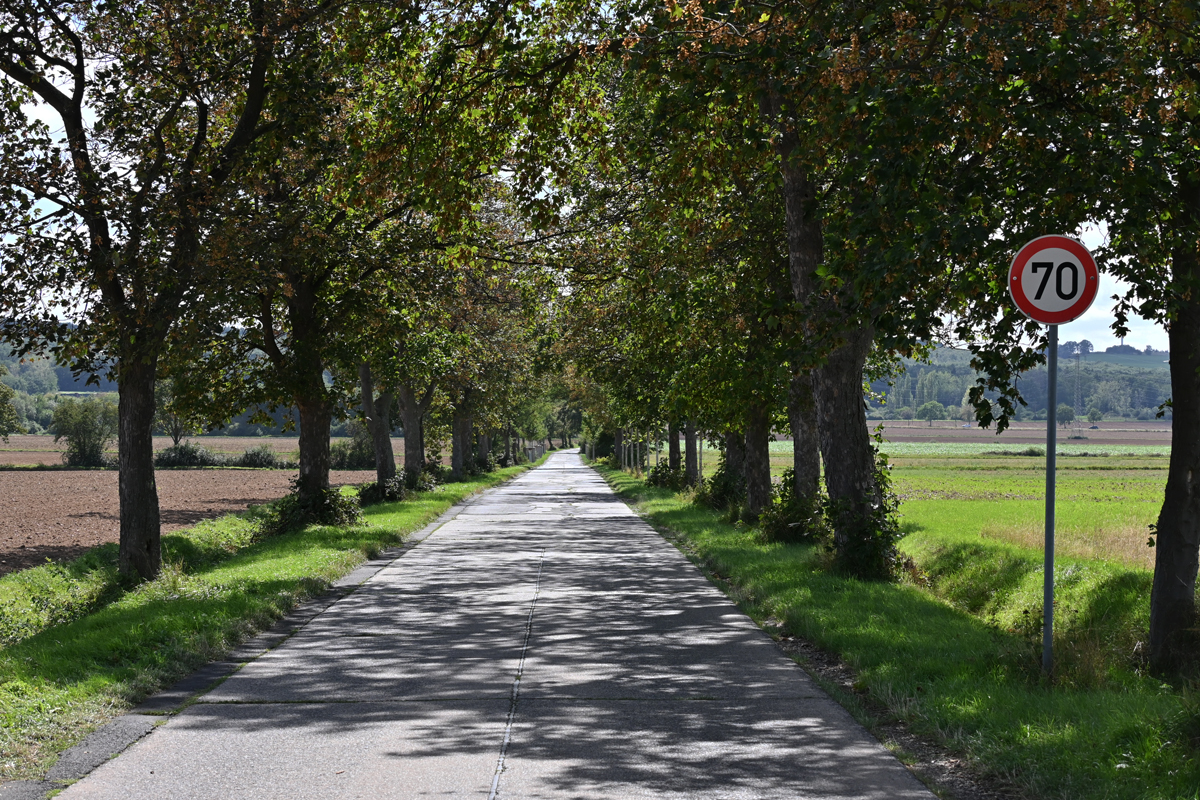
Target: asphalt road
544 642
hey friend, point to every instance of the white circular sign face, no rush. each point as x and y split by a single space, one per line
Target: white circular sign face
1053 279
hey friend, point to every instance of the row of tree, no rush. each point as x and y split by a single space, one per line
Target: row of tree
793 196
248 198
722 214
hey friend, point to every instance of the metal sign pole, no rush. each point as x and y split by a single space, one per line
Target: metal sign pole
1051 420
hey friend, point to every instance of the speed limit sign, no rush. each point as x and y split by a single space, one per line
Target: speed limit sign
1053 279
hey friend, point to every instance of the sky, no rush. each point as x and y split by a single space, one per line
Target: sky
1095 324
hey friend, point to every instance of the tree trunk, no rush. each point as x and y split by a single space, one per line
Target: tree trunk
508 460
460 442
485 449
412 417
673 458
691 470
315 416
845 443
619 448
758 459
379 424
140 550
806 459
1173 634
735 460
837 384
383 441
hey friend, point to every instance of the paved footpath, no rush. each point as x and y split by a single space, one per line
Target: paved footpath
543 643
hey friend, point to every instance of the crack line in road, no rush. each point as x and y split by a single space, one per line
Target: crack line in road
516 689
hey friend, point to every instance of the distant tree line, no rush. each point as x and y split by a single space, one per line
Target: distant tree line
1108 389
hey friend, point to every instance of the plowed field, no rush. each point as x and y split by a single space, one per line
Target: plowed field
57 514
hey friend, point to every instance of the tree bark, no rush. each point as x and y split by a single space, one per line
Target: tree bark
315 416
508 460
302 368
806 459
619 448
459 431
1174 639
379 424
735 459
673 458
758 459
845 443
139 552
837 383
691 470
412 417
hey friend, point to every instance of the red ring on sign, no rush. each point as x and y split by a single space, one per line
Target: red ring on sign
1091 279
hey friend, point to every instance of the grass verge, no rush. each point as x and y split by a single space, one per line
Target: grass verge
968 680
84 649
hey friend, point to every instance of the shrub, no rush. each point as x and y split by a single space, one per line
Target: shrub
425 480
868 537
261 457
390 491
292 512
187 454
662 475
358 453
89 426
793 519
724 490
486 463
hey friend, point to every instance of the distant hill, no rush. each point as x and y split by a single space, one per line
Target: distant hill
1120 384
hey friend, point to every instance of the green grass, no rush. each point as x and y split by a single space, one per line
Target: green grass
83 649
957 660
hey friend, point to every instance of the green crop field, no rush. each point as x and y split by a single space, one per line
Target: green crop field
1108 496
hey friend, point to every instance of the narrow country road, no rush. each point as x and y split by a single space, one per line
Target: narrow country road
543 643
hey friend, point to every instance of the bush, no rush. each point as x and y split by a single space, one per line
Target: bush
292 513
662 475
792 519
89 426
261 457
390 491
869 538
358 453
187 454
723 490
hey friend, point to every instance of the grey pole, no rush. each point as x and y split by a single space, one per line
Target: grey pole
1051 420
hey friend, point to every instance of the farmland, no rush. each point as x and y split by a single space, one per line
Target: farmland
58 514
970 482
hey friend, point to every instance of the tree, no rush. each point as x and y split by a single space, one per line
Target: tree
1094 415
931 411
9 421
169 418
1065 414
89 426
157 104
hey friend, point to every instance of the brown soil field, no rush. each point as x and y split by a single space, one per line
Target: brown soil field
27 449
58 514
